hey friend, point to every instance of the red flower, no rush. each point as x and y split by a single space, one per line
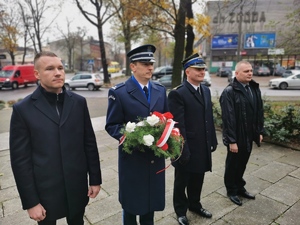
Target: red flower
168 115
163 117
165 147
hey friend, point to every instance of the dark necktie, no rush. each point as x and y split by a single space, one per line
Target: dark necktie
146 91
199 91
247 87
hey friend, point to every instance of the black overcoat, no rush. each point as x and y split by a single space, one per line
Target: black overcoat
141 190
195 121
51 158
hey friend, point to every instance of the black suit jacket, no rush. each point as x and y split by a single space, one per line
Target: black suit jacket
51 157
195 121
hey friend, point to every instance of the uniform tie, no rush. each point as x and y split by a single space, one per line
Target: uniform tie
146 91
198 90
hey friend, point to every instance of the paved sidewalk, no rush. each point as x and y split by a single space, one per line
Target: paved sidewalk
273 175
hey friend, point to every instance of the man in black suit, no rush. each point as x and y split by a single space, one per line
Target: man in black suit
243 120
191 105
53 148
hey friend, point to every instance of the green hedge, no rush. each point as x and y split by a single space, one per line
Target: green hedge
282 120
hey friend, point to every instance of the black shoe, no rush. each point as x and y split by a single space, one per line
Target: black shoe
235 199
246 194
182 220
202 212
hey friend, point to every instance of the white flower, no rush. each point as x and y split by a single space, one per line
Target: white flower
148 139
152 120
140 124
130 127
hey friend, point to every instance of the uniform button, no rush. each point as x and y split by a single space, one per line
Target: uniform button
152 161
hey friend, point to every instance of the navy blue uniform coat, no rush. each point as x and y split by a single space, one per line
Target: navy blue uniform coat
141 190
198 130
51 157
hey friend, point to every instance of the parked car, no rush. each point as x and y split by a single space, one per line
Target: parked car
261 71
230 78
166 81
279 71
124 71
290 82
161 71
12 76
224 71
290 72
207 79
91 81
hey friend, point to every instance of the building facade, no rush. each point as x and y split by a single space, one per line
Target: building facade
245 30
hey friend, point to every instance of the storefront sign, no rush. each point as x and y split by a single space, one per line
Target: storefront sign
275 51
234 17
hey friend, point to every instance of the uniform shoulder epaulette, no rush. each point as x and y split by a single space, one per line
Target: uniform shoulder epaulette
118 86
177 87
159 84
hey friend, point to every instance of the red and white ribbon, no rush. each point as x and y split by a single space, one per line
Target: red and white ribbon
122 139
166 133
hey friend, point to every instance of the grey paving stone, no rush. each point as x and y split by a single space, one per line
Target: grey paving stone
8 193
212 182
19 218
274 171
296 173
101 210
291 216
12 206
260 211
286 190
291 157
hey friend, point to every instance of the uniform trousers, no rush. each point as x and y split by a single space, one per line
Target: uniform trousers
130 219
191 183
235 167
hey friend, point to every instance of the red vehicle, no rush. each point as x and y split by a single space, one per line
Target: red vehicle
15 75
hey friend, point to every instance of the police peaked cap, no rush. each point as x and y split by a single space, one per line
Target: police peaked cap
194 61
143 53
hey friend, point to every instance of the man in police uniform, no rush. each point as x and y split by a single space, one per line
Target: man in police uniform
141 190
190 104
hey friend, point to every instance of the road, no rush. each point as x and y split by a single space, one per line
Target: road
218 84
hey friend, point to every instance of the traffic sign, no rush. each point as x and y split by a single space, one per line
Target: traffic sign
91 62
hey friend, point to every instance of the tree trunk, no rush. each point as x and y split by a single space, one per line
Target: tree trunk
190 36
179 34
103 55
127 44
189 31
12 56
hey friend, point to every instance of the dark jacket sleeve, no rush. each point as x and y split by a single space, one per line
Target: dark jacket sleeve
114 119
228 116
21 161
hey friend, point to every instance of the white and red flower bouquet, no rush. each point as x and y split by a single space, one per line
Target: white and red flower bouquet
156 132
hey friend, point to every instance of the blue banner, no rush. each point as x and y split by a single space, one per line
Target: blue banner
224 41
259 40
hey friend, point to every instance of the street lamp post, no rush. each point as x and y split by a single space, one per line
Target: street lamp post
240 33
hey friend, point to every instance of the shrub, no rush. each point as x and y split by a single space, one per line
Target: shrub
11 102
282 120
